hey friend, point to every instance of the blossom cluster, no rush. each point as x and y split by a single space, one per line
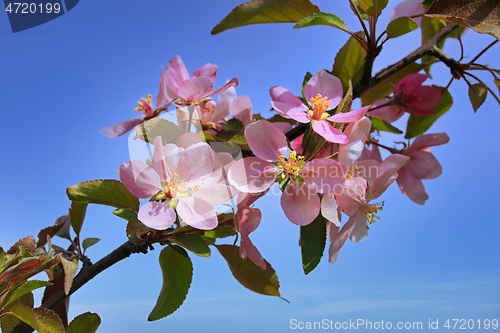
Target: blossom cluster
334 169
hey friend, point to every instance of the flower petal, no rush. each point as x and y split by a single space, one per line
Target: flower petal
241 109
215 194
232 83
248 249
329 133
248 219
265 140
196 164
350 116
412 187
252 175
428 140
197 213
193 90
175 74
360 231
423 165
386 174
353 195
121 128
324 175
140 179
157 215
339 240
207 70
326 85
300 205
329 209
349 153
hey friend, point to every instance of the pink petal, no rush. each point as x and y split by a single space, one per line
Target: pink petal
353 195
349 153
141 180
423 165
252 175
159 164
329 209
232 83
287 100
359 232
412 187
386 174
329 133
408 8
296 144
368 169
300 205
248 219
350 116
428 140
208 70
215 194
331 229
326 85
424 100
339 240
292 113
175 74
283 127
241 109
358 130
248 249
197 213
224 101
246 199
196 164
157 215
121 128
324 175
389 113
265 140
188 139
193 90
411 82
373 154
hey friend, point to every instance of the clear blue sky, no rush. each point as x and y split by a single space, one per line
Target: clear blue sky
63 81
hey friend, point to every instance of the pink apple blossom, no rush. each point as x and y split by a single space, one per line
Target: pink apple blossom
409 8
323 92
178 180
422 165
247 220
178 87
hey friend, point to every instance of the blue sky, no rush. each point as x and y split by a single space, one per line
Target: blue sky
64 80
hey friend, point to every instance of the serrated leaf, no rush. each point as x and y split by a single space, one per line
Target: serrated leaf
3 257
482 16
88 242
266 11
108 192
77 215
251 276
85 323
27 287
382 89
477 95
382 125
322 19
27 242
312 240
9 322
419 125
126 214
232 124
177 271
192 243
349 62
400 27
49 231
70 268
65 222
42 320
149 130
373 7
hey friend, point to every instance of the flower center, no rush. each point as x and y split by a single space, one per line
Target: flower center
290 167
145 106
353 172
172 186
320 105
370 210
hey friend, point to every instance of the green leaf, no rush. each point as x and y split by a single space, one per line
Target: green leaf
126 214
311 142
312 240
49 231
373 7
497 83
221 231
77 215
277 118
322 19
382 89
149 130
28 287
108 192
41 319
400 27
248 274
346 102
364 16
284 183
88 242
427 3
177 271
382 125
85 323
135 229
8 323
477 95
349 62
307 77
232 124
193 243
419 125
70 268
236 137
266 11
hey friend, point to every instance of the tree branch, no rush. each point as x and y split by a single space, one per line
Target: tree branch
360 89
86 274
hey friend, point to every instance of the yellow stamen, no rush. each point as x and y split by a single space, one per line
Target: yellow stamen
145 104
370 211
320 105
354 172
290 166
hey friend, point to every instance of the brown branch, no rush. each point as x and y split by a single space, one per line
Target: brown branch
86 274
